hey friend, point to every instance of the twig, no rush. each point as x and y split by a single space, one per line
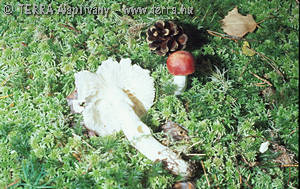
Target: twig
262 79
11 184
260 84
225 36
4 82
77 156
244 69
195 154
247 181
293 131
205 173
217 181
240 176
289 176
205 13
83 141
265 19
70 27
289 165
271 63
1 97
249 164
248 178
194 145
186 106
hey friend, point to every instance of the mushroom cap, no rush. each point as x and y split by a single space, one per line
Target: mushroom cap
132 79
113 84
181 63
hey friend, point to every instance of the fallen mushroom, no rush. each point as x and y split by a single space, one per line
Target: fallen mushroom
180 64
113 99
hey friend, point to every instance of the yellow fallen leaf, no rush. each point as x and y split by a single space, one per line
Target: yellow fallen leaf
247 50
238 25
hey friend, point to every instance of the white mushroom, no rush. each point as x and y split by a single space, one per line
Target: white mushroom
113 99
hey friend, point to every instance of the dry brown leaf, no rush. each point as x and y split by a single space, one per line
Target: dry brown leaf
238 25
175 131
286 157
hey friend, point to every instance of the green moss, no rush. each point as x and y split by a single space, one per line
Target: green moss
222 108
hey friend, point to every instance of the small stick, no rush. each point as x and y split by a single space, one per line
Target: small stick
70 27
83 141
249 164
271 63
196 154
11 184
194 144
205 173
289 165
259 84
262 79
289 176
265 20
217 181
4 82
240 177
1 97
186 106
225 36
247 181
292 186
244 69
254 136
77 156
293 131
248 178
205 13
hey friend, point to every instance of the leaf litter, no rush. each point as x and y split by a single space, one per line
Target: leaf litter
238 25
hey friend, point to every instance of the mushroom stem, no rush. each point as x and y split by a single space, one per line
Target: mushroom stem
180 81
140 138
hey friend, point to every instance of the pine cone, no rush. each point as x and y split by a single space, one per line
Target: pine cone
166 37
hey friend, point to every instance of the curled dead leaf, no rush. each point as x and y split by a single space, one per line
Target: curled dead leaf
247 50
286 157
175 131
238 25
